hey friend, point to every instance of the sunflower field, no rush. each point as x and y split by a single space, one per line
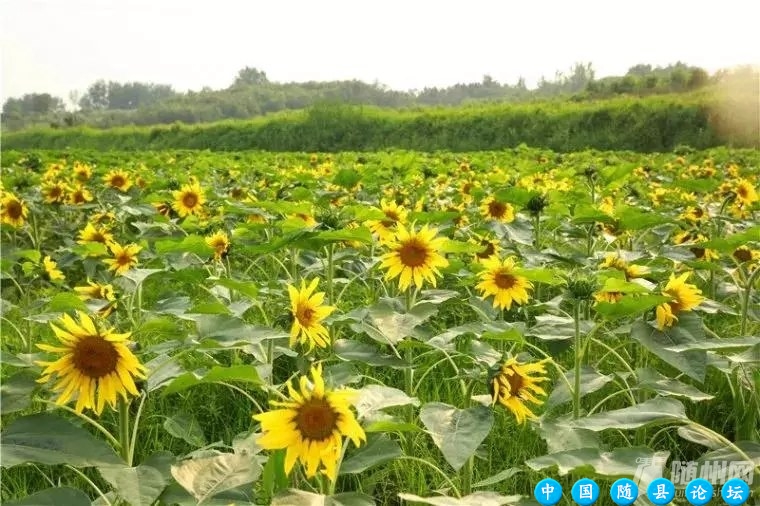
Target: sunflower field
373 328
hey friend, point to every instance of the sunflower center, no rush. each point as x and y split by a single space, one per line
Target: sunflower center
190 200
496 209
14 209
316 419
742 191
305 316
98 237
413 254
467 188
489 250
504 280
117 181
55 192
516 383
698 252
124 259
77 197
742 255
95 357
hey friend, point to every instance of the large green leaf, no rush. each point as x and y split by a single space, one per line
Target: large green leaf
476 499
629 305
206 477
350 350
620 462
692 363
248 288
302 498
58 496
184 426
735 343
226 330
372 398
591 381
556 328
242 373
383 323
456 432
379 449
653 380
657 410
559 437
139 486
16 391
189 244
498 477
502 329
45 438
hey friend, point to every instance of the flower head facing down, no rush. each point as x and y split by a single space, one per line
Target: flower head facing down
414 257
96 364
52 270
514 385
308 313
310 425
500 280
684 297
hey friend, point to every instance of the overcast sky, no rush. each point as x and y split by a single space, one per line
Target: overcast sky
57 46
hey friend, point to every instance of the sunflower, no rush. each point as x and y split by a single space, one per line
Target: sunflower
514 386
607 206
95 361
13 211
163 208
311 425
414 256
684 297
746 193
743 254
496 210
632 271
499 279
307 219
189 199
220 242
693 214
308 312
490 247
79 195
54 192
103 217
124 257
98 291
82 172
394 213
611 297
51 269
91 233
118 179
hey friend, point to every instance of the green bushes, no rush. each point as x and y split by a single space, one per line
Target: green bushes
657 123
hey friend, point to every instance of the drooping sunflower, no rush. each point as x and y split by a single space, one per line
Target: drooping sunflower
311 425
394 213
308 313
496 210
98 291
52 270
91 233
14 210
220 242
189 199
124 257
746 193
79 195
54 192
684 297
632 271
611 297
490 247
514 386
118 179
97 364
499 280
414 256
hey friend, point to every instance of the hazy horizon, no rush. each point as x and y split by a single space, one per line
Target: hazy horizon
57 47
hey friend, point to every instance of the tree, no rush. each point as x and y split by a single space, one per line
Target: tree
250 76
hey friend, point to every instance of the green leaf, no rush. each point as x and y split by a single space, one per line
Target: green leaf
591 381
546 276
16 392
453 246
631 218
629 305
476 499
653 380
729 243
372 398
360 234
385 325
498 477
227 330
350 350
243 373
378 450
560 438
699 434
657 410
57 496
391 426
45 438
718 344
456 432
503 330
693 363
620 462
613 284
138 276
557 328
185 426
206 477
138 486
295 497
347 178
65 301
194 244
248 288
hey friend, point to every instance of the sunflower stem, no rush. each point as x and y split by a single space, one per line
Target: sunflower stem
133 442
537 231
330 274
469 468
578 360
124 435
745 301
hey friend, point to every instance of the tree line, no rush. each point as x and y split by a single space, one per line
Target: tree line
108 104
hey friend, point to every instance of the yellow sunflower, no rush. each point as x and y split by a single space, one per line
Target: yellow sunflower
163 208
514 386
394 213
746 193
54 192
611 297
414 256
51 269
693 215
82 171
684 297
189 199
743 254
220 242
495 210
118 179
124 257
490 247
79 195
632 271
14 210
91 233
499 279
99 291
311 425
308 312
96 364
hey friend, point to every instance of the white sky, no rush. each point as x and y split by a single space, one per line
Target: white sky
56 46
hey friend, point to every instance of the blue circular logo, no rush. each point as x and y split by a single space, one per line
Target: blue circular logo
661 491
548 492
735 492
624 492
585 492
699 492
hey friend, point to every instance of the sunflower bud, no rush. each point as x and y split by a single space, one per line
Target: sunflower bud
537 204
581 289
